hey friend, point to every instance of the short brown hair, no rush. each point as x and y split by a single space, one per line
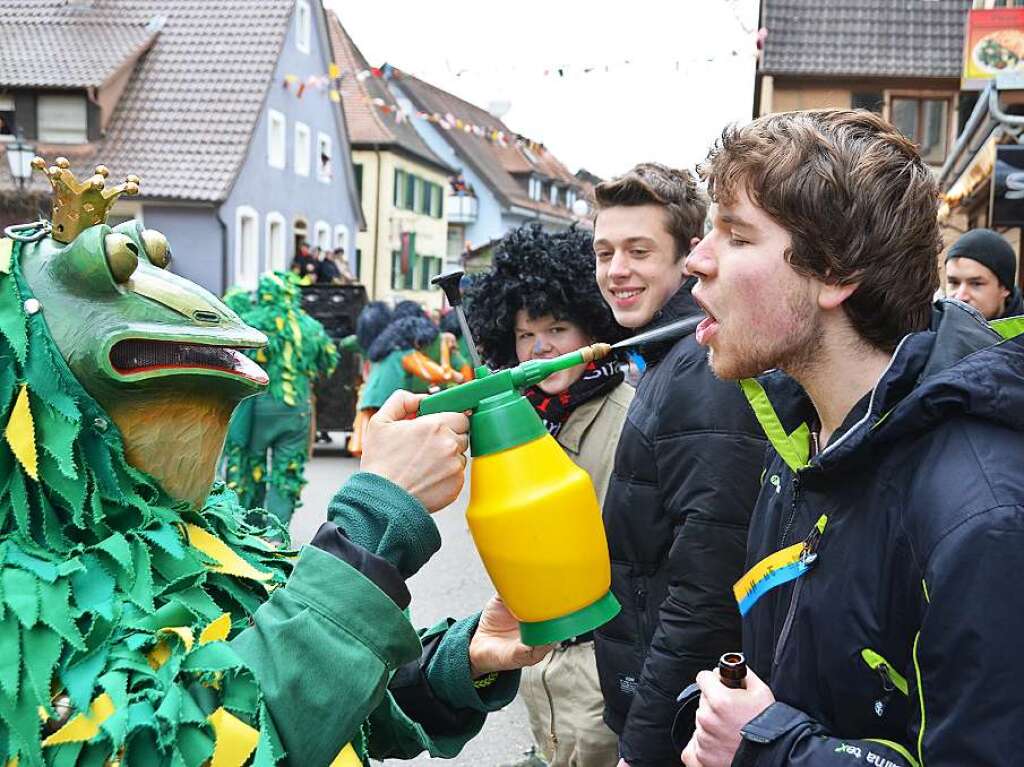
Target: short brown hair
650 183
858 202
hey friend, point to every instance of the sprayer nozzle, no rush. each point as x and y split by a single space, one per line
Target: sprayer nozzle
595 352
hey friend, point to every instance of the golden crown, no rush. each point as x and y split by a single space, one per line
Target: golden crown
77 205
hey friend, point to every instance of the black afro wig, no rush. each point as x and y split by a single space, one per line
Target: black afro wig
542 273
407 309
374 317
403 333
450 324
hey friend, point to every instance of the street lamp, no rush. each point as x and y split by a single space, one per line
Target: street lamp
19 157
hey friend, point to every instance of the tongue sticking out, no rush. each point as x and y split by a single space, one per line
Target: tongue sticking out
706 330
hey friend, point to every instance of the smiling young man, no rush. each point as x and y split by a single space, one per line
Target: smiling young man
879 605
980 267
685 475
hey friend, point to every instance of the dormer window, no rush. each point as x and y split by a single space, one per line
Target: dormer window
570 198
303 26
62 118
8 126
554 194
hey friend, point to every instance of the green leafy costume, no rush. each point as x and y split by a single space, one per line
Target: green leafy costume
135 623
298 351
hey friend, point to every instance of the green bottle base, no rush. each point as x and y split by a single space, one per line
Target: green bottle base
571 625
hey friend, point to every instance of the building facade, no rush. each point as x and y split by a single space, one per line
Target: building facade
402 185
203 102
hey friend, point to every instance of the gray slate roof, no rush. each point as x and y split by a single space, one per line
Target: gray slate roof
184 122
68 55
873 38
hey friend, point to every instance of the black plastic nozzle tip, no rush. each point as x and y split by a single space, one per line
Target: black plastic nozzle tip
451 285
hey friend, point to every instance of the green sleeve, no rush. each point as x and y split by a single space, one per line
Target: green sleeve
393 735
386 377
384 519
323 649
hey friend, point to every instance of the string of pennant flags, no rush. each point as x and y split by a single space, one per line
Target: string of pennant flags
330 83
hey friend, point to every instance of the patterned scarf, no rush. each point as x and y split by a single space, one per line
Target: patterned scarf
554 409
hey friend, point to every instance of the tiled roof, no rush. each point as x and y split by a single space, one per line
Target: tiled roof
69 55
186 117
872 38
495 163
367 125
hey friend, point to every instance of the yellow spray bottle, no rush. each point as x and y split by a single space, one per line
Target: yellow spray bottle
533 513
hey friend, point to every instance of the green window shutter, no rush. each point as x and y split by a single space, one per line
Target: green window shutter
410 192
437 201
358 168
396 270
399 187
412 261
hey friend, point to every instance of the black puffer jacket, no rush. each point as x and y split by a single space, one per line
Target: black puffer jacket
900 644
685 479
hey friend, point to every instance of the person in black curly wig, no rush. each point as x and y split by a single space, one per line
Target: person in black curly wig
539 300
543 274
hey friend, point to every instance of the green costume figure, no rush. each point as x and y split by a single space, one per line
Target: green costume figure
144 621
298 352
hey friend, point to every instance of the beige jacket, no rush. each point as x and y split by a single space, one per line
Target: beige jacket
591 434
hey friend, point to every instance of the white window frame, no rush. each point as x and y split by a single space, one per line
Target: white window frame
7 105
341 240
322 139
570 197
277 139
554 194
321 228
247 277
61 131
281 241
303 149
303 25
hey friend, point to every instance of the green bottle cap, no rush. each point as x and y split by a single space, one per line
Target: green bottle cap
572 625
503 421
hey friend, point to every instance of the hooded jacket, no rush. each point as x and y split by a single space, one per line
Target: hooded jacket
676 514
882 603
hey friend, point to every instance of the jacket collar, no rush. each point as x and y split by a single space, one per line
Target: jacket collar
680 306
923 364
571 435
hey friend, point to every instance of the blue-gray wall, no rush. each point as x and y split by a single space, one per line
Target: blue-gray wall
196 241
268 189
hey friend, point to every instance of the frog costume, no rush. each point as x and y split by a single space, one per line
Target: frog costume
143 619
298 352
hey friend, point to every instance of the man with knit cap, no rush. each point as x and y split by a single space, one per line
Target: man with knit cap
980 270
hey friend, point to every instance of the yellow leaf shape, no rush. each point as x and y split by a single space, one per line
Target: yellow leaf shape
159 655
296 331
347 758
261 356
6 249
216 631
279 323
233 739
12 762
21 435
257 473
228 562
84 727
183 632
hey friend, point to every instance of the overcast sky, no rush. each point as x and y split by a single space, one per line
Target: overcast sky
682 85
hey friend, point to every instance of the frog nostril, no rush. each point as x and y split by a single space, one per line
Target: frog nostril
202 315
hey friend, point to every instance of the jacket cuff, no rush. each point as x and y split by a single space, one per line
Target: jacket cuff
384 519
382 573
772 723
450 678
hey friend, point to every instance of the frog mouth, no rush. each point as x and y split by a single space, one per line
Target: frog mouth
134 356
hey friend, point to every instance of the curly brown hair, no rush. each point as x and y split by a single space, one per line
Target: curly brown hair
858 202
651 183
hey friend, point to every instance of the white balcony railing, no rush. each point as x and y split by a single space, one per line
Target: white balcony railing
462 208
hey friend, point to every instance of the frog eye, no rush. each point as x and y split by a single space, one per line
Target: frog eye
122 256
157 248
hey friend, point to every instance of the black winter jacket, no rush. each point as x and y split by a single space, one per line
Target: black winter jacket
900 643
678 504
